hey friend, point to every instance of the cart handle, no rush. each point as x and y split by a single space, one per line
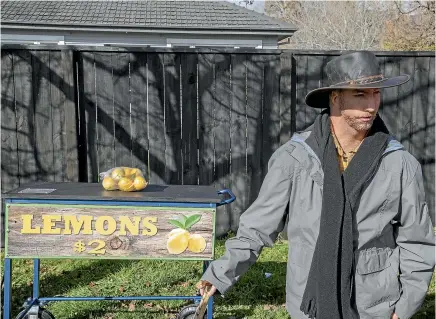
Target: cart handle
226 201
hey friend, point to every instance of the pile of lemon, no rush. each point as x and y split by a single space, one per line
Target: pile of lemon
126 179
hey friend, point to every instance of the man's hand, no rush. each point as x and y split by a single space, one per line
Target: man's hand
202 284
394 316
211 292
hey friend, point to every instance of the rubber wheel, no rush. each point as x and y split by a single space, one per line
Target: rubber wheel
188 312
43 314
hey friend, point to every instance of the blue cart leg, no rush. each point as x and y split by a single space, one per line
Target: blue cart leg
35 279
7 289
210 301
210 308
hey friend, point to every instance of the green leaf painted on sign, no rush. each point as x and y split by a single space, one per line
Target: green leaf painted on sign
176 223
192 220
182 218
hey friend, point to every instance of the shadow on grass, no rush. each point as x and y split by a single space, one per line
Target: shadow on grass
59 283
253 289
236 313
114 313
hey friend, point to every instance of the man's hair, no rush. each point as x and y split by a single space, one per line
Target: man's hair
339 91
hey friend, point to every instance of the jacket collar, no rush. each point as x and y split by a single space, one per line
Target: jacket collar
300 138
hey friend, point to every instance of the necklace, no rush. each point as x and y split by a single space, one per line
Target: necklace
346 156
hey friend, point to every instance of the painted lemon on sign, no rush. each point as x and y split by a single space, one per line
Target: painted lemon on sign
176 231
196 243
180 240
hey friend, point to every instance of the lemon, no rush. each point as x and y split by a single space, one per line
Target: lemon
139 183
126 184
109 184
117 174
196 243
135 172
178 242
127 171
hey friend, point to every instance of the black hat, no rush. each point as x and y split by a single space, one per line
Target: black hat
356 70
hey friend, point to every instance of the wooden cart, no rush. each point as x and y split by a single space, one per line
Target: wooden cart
82 220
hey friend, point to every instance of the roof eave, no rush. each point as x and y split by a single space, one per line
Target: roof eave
282 33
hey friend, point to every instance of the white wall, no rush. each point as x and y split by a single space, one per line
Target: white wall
136 39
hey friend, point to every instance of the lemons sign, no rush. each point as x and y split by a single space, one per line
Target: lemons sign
74 231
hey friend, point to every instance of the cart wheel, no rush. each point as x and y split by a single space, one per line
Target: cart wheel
43 314
188 312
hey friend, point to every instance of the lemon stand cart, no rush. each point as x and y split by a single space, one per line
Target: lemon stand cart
82 220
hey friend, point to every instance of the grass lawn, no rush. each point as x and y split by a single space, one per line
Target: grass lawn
253 297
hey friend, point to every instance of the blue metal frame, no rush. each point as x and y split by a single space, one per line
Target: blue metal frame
210 301
210 308
226 201
126 203
36 264
49 299
37 301
7 292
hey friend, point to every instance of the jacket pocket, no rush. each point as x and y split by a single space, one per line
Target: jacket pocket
300 259
377 283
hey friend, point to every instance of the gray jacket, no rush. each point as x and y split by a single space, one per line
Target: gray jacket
394 240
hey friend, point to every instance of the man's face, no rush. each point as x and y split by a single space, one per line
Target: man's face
358 107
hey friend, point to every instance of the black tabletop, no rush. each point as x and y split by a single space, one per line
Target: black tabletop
95 191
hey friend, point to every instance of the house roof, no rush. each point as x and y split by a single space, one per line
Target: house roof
161 16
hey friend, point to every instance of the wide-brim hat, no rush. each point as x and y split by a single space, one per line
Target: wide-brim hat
356 70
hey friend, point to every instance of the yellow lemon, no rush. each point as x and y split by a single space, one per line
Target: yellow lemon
140 183
178 242
117 174
196 243
109 184
126 184
135 172
127 171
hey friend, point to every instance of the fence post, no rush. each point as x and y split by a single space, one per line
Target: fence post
287 117
70 106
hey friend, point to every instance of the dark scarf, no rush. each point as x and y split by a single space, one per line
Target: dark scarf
329 285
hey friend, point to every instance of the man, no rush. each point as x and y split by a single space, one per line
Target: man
361 242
